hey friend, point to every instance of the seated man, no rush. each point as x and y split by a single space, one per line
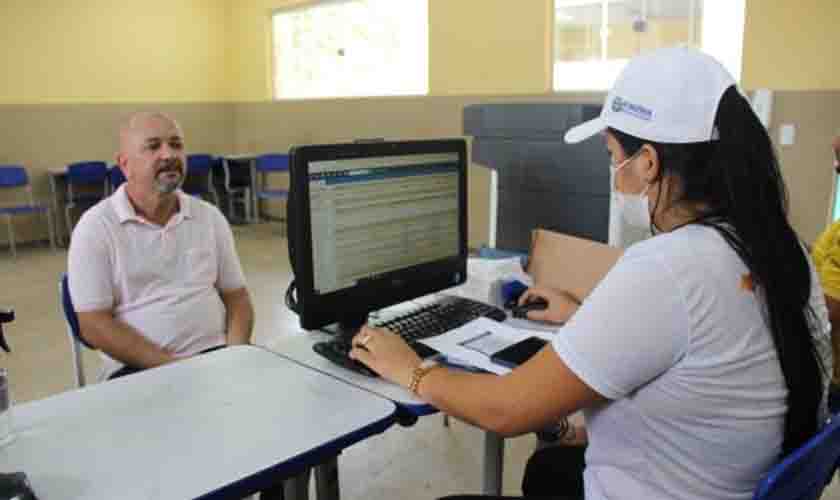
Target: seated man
826 255
153 273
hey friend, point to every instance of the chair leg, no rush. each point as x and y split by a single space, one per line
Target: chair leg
212 190
11 231
230 206
246 200
67 220
78 365
50 228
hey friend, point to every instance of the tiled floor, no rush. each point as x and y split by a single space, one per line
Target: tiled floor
421 462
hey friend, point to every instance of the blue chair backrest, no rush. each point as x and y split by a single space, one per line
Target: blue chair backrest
116 177
70 312
13 176
87 172
273 163
804 473
199 164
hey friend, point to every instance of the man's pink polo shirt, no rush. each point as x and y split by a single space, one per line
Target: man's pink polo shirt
162 280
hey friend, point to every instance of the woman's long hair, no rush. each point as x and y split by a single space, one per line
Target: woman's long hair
738 181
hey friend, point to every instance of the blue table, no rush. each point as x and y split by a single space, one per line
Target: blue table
223 425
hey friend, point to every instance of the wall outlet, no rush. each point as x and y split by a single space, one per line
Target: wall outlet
787 134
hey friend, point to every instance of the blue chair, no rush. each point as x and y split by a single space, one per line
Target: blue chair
115 177
77 343
267 164
804 474
14 177
87 184
200 176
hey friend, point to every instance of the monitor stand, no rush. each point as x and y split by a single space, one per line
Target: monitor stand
346 328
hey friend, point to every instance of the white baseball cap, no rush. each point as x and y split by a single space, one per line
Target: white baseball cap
667 95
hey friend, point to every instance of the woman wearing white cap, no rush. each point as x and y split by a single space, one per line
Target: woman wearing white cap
701 358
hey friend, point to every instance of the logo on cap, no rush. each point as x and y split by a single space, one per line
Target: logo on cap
620 105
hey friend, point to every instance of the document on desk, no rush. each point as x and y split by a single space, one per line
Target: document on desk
473 343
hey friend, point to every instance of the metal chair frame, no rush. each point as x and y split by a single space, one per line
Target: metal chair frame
17 177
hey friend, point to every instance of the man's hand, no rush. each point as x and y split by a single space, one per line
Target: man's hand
561 305
120 341
835 146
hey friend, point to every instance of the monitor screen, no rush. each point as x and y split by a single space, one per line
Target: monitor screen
375 224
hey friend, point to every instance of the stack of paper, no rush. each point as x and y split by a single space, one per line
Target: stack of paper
474 343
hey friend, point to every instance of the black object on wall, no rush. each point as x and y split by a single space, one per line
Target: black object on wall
542 181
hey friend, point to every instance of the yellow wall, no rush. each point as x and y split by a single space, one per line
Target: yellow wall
480 47
791 44
489 46
475 47
250 47
95 51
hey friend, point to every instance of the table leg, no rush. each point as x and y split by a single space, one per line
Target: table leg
293 488
494 459
297 488
326 480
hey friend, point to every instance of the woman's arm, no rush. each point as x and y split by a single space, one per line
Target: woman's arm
532 396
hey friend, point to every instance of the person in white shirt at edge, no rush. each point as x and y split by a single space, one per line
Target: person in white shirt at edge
153 273
703 356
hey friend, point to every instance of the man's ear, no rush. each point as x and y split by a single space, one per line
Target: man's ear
122 162
649 160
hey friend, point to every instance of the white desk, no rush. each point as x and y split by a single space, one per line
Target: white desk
299 348
225 424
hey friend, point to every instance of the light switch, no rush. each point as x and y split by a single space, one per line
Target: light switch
787 134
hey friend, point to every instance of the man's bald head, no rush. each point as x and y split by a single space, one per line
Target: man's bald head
151 153
137 124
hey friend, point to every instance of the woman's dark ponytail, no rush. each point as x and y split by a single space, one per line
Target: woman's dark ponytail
757 209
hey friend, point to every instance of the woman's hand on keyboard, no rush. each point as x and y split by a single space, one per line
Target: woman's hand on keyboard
386 353
561 305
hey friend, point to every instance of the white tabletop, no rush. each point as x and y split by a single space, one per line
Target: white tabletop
299 348
188 429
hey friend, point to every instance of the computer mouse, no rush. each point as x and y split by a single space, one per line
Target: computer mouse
537 304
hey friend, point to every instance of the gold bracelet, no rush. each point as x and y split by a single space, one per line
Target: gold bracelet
417 375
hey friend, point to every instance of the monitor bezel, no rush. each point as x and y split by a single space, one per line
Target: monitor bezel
352 305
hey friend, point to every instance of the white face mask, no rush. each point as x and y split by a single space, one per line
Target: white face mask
634 209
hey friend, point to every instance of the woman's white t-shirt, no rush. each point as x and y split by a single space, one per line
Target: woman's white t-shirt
674 336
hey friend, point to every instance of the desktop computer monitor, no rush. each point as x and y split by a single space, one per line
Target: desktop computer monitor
375 224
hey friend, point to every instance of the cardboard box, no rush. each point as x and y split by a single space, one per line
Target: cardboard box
564 262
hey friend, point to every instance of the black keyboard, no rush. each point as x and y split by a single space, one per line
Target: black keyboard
427 321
